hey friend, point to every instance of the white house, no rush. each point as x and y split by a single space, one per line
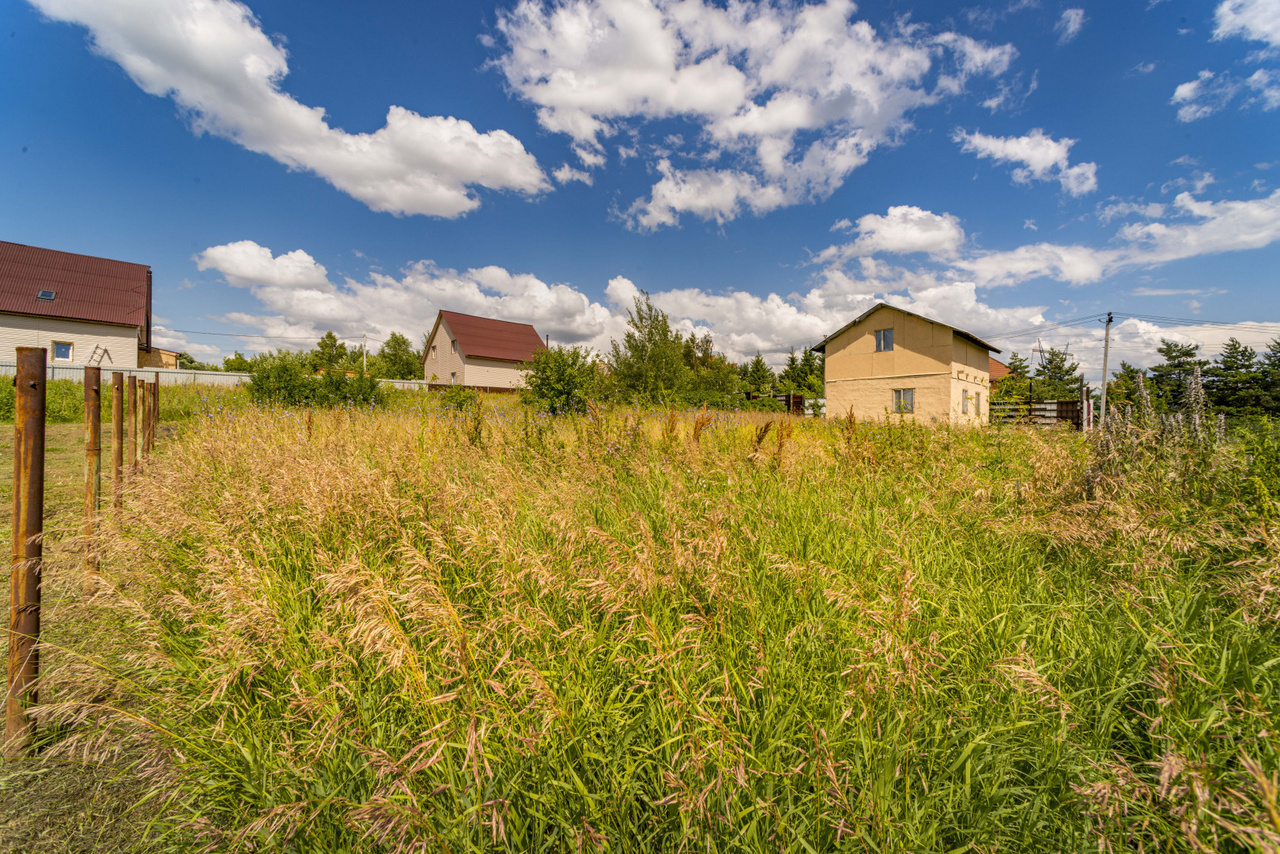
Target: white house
83 310
478 351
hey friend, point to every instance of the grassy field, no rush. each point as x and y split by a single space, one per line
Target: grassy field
415 630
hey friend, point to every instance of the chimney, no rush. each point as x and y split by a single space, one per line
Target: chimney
548 337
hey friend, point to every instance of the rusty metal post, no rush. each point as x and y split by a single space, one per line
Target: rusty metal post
133 424
92 459
28 547
117 438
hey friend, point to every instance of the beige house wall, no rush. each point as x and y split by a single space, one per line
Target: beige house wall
492 373
871 398
919 347
943 368
119 342
445 363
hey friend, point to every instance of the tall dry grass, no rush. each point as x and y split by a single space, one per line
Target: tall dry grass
423 630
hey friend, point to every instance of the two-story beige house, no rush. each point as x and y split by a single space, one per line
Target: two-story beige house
480 352
893 362
83 310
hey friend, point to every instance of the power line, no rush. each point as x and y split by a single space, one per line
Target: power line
1037 330
1187 321
268 337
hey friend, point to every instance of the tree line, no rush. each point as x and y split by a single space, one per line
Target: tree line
395 360
655 364
1239 381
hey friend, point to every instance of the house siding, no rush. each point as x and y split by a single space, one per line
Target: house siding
446 362
120 342
491 373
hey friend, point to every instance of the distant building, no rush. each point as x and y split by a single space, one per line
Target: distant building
889 361
478 351
996 370
84 310
158 358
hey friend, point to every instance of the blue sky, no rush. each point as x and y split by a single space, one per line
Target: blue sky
765 171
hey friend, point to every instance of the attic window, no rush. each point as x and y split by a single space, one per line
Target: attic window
47 296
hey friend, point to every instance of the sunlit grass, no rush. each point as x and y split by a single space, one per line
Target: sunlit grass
420 630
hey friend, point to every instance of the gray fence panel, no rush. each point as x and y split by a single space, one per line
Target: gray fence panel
167 376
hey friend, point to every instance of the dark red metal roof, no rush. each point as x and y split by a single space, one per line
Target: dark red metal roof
85 288
484 338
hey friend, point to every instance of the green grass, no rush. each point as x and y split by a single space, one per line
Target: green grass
424 630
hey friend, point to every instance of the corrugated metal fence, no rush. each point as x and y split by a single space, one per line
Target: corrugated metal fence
167 376
177 376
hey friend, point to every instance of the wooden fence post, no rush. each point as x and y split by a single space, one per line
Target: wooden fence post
133 424
145 393
155 409
28 547
92 459
117 438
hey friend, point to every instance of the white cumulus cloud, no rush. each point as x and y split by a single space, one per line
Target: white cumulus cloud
1042 158
1187 228
213 59
1256 20
791 97
903 229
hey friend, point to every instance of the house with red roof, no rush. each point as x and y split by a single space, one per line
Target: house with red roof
480 352
84 310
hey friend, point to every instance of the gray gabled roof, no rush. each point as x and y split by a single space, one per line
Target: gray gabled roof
821 346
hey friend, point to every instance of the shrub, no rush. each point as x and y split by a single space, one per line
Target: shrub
561 380
283 378
459 398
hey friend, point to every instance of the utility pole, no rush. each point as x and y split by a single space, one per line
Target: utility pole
1106 352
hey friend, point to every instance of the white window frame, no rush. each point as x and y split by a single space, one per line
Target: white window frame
453 345
53 351
977 403
884 340
433 352
453 378
964 403
904 401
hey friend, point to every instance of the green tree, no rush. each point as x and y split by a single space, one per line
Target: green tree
1122 391
188 362
1169 378
237 362
1270 380
803 375
1057 377
649 362
759 376
1234 382
562 379
329 354
397 360
1016 385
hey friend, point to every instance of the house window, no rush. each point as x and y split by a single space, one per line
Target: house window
977 403
433 351
453 378
884 340
62 351
964 403
453 346
904 400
